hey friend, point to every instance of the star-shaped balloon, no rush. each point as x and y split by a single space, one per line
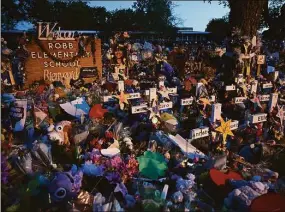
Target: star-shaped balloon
164 92
205 102
225 129
280 114
123 99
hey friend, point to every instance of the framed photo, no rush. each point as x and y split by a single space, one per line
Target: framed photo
260 59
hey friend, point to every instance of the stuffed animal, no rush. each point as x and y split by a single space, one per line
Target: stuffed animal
60 132
65 186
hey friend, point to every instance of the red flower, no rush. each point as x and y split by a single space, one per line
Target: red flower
109 134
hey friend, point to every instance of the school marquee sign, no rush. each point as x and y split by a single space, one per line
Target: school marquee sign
54 55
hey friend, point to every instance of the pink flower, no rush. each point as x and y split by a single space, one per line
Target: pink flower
116 163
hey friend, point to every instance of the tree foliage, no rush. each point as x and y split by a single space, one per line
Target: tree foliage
154 15
219 28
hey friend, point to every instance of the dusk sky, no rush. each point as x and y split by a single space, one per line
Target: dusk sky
194 14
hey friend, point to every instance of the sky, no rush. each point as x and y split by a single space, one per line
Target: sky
196 14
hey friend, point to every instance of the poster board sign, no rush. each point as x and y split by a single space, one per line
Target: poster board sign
165 105
139 109
253 88
216 112
172 90
239 100
187 101
89 72
234 124
53 55
264 98
199 133
212 98
121 86
260 59
257 118
134 95
230 88
267 85
107 99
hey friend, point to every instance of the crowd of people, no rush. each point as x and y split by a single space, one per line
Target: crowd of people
187 127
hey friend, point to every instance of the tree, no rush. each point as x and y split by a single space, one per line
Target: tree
251 15
123 19
219 28
273 18
155 15
13 11
246 15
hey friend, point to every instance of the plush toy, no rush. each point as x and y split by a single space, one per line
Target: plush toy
65 186
60 132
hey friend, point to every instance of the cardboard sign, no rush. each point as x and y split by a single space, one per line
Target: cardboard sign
234 124
77 83
264 98
121 86
230 88
267 85
107 98
134 95
254 87
152 94
18 114
165 105
161 83
257 118
199 133
147 83
239 100
187 101
216 112
172 90
139 109
260 59
89 72
212 98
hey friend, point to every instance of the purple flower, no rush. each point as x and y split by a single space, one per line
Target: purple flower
113 177
116 162
121 188
77 181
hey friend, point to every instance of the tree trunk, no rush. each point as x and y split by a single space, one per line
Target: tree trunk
246 15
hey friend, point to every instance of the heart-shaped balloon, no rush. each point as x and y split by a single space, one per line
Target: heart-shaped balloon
220 178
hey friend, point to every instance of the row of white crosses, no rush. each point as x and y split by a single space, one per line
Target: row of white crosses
217 109
271 98
121 88
152 98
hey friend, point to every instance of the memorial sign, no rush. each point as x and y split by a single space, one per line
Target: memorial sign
55 55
